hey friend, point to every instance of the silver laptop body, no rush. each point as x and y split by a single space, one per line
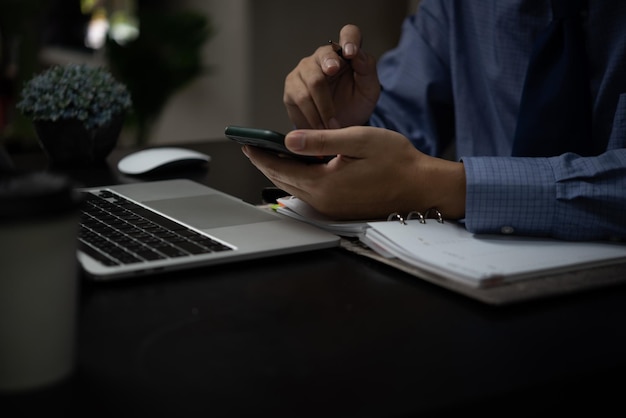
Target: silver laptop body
231 229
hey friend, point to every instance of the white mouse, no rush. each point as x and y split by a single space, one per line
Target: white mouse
163 158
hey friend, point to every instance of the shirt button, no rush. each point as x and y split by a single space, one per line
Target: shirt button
507 230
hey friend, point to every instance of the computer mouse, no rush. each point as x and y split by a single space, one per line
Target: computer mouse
159 159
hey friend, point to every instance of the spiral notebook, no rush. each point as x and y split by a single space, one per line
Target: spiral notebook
496 269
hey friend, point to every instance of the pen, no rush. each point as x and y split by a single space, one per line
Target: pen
336 48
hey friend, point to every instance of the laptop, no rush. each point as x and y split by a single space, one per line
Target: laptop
145 228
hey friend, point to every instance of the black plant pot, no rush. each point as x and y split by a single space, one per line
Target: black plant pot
68 144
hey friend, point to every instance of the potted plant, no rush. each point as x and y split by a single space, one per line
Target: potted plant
77 111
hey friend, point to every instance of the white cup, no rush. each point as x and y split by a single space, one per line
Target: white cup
38 281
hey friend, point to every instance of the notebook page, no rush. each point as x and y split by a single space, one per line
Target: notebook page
480 260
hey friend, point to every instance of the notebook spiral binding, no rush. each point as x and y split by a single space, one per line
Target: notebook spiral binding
417 215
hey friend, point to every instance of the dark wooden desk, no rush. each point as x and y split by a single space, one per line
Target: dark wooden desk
325 334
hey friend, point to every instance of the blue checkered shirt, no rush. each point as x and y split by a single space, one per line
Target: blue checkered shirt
456 77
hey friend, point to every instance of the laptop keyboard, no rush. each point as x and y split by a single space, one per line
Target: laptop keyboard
116 231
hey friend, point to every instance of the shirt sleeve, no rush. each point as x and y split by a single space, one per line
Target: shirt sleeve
568 197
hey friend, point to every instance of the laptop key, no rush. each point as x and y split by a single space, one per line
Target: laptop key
191 248
171 251
93 253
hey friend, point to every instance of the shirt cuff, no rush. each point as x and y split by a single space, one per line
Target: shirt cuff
510 195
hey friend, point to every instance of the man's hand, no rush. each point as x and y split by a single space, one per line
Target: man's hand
376 172
329 91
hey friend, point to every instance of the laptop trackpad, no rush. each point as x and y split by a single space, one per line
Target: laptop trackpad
210 211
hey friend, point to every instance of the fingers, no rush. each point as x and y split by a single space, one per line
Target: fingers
308 92
350 41
307 95
362 64
283 172
328 89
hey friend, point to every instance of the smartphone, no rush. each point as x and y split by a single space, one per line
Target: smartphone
269 140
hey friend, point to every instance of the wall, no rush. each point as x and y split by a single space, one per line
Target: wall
257 43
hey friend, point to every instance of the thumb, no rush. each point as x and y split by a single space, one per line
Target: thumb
351 141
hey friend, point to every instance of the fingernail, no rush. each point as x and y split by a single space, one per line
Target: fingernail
331 63
295 141
244 149
349 49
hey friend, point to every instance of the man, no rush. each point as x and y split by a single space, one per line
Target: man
458 76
